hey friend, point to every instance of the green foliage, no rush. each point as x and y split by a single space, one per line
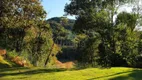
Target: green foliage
12 54
116 44
88 49
62 30
128 19
24 29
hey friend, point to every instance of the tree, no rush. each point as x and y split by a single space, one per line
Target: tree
127 38
24 29
96 18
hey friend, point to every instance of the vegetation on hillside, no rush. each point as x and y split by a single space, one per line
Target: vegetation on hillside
24 31
62 30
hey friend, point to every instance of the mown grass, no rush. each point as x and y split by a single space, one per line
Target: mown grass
115 73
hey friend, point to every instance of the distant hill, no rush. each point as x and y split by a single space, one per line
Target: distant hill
63 21
63 35
62 30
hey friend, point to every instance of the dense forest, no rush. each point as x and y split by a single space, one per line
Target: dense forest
93 39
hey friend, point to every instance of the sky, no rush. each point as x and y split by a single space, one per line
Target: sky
55 8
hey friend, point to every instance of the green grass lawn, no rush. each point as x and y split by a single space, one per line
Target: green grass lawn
118 73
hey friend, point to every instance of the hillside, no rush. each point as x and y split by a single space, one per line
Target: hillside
62 30
63 21
64 36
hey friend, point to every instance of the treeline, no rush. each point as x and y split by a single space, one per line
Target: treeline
101 40
107 42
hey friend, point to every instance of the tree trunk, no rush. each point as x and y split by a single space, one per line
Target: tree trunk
47 59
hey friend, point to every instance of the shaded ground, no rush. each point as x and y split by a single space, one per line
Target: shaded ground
66 59
134 75
118 73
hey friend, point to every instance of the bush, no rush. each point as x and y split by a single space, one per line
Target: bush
12 54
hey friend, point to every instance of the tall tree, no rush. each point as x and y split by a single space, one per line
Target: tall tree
24 28
95 17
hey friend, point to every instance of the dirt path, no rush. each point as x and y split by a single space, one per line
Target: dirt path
67 65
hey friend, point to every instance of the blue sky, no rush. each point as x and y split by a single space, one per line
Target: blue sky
55 8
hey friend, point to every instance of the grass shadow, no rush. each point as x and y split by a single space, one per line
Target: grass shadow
134 75
13 69
109 75
29 72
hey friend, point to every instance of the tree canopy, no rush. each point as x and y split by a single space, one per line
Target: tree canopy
108 43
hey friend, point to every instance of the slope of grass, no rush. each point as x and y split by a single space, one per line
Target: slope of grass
4 63
7 63
117 73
